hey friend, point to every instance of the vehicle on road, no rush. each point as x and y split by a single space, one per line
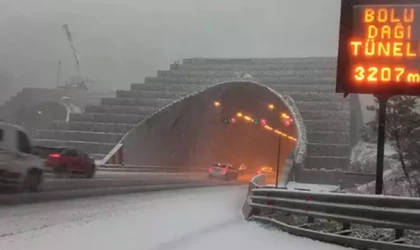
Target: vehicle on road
19 167
67 160
223 170
242 169
269 171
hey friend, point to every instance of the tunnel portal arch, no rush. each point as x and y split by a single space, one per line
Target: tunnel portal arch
174 134
40 115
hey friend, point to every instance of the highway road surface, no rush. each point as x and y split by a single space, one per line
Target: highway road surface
189 219
108 179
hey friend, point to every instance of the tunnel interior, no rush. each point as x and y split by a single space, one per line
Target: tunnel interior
237 123
40 116
241 129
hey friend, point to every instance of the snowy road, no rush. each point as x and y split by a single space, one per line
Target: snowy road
199 219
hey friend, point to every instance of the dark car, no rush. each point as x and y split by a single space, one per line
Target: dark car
67 160
223 170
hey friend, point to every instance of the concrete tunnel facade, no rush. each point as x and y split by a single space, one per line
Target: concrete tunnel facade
191 131
39 115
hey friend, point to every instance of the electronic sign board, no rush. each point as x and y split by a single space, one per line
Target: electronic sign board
379 47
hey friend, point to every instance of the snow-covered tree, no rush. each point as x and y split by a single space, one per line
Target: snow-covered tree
402 131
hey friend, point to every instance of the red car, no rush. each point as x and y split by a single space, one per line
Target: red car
68 160
223 170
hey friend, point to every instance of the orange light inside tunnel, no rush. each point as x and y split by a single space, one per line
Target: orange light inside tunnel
283 115
268 127
270 106
216 104
283 134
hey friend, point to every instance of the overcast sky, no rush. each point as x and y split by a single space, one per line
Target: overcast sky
122 41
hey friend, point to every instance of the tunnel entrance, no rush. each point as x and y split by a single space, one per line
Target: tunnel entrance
40 116
243 126
219 124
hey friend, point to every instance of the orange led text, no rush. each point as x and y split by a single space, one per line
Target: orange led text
387 33
388 15
385 49
385 74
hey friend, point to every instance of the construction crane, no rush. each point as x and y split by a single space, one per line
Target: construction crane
75 81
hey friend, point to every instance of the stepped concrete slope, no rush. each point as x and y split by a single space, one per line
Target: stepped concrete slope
31 96
35 108
309 82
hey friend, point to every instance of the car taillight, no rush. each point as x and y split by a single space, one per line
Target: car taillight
54 156
210 169
223 171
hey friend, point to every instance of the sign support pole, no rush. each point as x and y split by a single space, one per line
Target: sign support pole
380 144
278 161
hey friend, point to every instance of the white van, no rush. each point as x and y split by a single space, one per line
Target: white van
19 167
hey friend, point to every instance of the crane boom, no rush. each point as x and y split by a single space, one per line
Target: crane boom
70 40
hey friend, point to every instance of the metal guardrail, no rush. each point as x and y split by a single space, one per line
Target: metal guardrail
398 213
257 181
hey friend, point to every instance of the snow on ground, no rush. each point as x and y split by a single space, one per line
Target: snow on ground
312 187
364 151
206 218
364 160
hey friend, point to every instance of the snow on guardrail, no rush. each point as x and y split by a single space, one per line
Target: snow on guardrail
281 207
